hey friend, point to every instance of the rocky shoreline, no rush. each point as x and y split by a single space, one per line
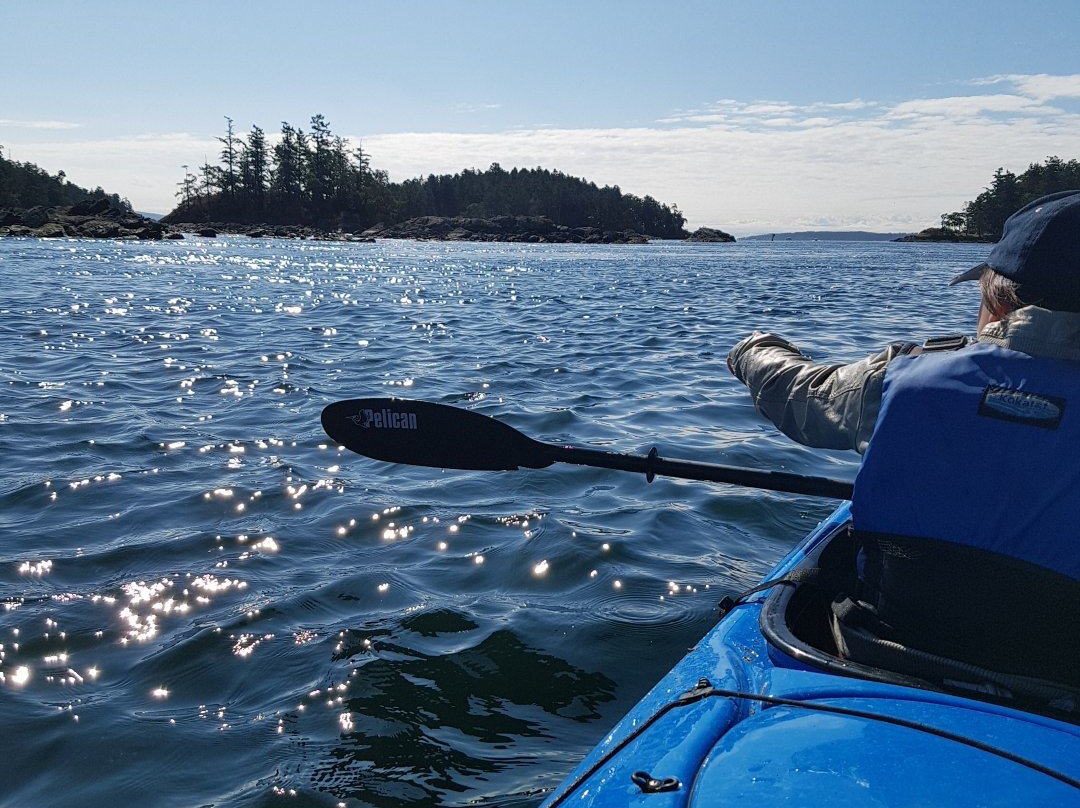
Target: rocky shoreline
939 234
98 219
93 218
291 231
529 229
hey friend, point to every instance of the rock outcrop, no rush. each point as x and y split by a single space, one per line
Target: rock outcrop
710 235
299 231
92 218
531 229
943 235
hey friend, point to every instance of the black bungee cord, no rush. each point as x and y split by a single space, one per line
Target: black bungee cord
705 690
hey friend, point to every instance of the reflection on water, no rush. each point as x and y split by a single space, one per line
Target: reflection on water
446 705
205 601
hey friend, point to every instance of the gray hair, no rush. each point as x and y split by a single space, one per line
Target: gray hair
1000 294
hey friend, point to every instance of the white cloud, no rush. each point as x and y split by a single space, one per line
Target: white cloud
969 106
739 114
1040 87
769 108
7 123
857 103
470 108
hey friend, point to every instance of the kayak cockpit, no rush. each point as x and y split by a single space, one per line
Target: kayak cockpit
995 633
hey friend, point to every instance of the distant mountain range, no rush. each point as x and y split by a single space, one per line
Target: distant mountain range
826 235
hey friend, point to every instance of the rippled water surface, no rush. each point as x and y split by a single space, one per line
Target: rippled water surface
208 603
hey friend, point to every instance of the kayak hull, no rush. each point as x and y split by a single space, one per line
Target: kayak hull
799 732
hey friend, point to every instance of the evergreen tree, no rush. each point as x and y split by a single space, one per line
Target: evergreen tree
361 169
285 179
209 187
229 157
320 167
188 187
303 156
254 169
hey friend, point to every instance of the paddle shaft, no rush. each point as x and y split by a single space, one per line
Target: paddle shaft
709 472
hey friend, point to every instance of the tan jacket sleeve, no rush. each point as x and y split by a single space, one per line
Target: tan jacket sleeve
824 406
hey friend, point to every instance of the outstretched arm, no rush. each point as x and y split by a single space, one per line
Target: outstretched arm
825 406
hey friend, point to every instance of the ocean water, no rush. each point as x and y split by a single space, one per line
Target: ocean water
206 602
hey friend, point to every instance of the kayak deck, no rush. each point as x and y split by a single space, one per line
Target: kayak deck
740 718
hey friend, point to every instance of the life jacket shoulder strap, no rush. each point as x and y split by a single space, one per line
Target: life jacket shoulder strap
950 343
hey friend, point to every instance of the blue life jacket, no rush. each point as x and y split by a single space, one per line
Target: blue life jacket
979 447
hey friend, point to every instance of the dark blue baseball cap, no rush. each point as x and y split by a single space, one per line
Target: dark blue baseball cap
1040 250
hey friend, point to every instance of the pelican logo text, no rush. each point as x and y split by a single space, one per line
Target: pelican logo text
384 419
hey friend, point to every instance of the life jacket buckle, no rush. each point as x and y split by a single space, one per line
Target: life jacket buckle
951 343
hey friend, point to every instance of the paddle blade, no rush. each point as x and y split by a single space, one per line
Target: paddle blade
421 433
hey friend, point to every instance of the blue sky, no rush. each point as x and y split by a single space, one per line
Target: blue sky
751 116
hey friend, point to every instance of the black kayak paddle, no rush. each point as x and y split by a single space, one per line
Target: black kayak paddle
422 433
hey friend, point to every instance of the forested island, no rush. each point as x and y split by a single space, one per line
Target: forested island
317 179
983 218
36 203
25 185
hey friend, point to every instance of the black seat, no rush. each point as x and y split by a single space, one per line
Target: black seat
935 616
975 606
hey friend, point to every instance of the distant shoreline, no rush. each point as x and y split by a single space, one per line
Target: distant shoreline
827 235
930 234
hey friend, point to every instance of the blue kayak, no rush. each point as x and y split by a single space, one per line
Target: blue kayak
759 714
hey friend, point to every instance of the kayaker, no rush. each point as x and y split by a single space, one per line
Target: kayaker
969 482
834 406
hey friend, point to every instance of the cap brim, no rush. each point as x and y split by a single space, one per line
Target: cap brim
972 274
